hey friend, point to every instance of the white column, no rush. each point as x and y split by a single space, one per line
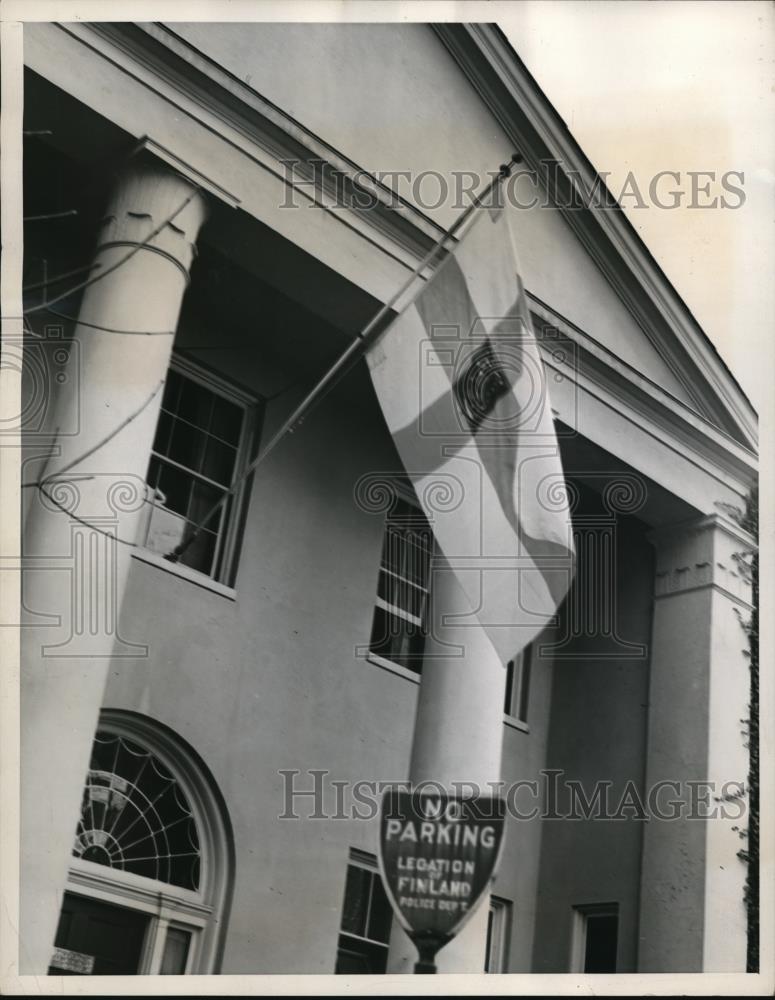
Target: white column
74 569
458 737
692 915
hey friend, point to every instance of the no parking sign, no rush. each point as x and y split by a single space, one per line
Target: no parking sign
438 853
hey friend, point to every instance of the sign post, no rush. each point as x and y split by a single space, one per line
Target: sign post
437 855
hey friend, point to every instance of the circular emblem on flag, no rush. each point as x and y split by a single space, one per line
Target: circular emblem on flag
480 385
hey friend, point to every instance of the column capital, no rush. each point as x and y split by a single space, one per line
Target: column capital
702 552
149 198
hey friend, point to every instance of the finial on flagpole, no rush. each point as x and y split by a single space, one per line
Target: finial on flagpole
505 168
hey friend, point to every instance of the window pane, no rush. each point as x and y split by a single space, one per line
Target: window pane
518 685
200 553
600 952
391 557
380 638
195 458
356 900
135 816
403 584
187 445
176 945
399 593
509 699
172 387
498 933
161 442
386 588
412 599
365 925
218 462
196 404
203 499
398 640
524 686
154 471
174 484
488 960
417 557
408 646
380 912
165 530
226 420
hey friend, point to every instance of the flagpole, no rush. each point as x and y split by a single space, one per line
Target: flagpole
367 337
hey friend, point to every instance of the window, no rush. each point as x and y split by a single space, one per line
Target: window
366 919
135 816
498 935
518 686
200 450
595 938
399 628
151 871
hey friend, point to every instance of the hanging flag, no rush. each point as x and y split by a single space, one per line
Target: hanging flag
463 389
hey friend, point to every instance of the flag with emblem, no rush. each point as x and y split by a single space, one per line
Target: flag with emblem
463 389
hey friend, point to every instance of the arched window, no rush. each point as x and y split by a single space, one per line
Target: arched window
152 866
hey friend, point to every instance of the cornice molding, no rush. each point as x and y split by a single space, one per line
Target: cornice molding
316 164
535 128
640 400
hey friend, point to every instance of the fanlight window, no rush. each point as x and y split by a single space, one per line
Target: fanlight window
135 816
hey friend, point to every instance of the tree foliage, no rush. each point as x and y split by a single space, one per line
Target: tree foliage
748 563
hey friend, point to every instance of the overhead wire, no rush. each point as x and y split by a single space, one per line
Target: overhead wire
119 263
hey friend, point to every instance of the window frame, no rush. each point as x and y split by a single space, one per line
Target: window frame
202 912
368 862
226 555
401 495
517 693
499 920
179 908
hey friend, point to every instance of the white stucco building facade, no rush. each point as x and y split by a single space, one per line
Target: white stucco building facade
199 696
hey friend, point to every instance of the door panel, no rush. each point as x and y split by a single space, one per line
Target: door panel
98 938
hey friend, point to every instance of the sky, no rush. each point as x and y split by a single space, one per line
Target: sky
679 86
